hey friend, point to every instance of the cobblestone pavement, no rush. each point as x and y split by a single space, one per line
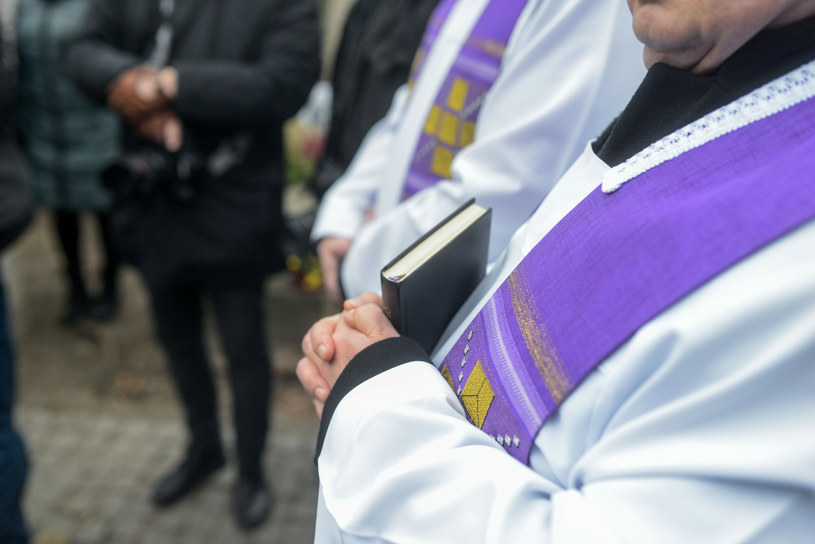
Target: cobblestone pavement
91 475
101 421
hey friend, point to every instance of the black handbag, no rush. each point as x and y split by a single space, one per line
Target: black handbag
17 201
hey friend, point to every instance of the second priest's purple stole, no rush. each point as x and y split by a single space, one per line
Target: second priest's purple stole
451 121
618 260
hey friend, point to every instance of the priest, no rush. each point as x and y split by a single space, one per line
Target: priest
637 366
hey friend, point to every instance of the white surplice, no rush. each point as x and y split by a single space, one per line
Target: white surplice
569 68
699 428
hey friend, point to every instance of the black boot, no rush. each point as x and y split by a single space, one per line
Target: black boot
78 303
251 503
106 305
198 464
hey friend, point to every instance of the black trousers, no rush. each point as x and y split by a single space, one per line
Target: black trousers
13 459
179 318
66 226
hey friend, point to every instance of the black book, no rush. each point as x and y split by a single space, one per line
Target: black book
427 283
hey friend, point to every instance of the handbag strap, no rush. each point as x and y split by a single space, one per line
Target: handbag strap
163 42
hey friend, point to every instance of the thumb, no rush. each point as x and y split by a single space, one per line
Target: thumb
370 321
364 298
172 134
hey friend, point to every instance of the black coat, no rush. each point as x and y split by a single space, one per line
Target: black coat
378 44
16 191
244 67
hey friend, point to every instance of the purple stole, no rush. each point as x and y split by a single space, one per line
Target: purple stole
618 260
450 124
431 32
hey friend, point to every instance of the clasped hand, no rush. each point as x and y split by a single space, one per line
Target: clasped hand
331 343
142 96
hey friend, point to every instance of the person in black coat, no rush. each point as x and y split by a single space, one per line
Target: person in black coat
203 87
67 141
379 42
16 209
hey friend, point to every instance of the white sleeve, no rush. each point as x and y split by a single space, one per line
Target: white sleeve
344 206
569 69
401 472
698 429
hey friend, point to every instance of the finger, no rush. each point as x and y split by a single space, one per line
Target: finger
330 252
371 321
320 337
303 372
305 345
318 407
172 134
331 280
364 298
115 99
350 342
150 129
146 88
312 381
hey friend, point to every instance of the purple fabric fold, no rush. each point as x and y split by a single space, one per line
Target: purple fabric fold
618 260
451 121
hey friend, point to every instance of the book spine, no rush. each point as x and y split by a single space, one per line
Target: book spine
390 303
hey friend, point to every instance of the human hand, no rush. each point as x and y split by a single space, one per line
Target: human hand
330 252
318 341
167 81
162 128
136 94
319 348
314 384
356 330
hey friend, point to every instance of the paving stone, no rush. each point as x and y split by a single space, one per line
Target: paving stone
101 421
86 498
51 537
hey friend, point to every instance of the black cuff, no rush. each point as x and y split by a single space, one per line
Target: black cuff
372 361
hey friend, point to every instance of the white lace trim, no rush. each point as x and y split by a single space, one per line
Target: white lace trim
776 96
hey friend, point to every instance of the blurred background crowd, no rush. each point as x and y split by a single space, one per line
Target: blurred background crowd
186 186
101 99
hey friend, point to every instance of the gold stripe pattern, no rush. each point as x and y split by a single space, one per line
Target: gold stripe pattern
540 346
